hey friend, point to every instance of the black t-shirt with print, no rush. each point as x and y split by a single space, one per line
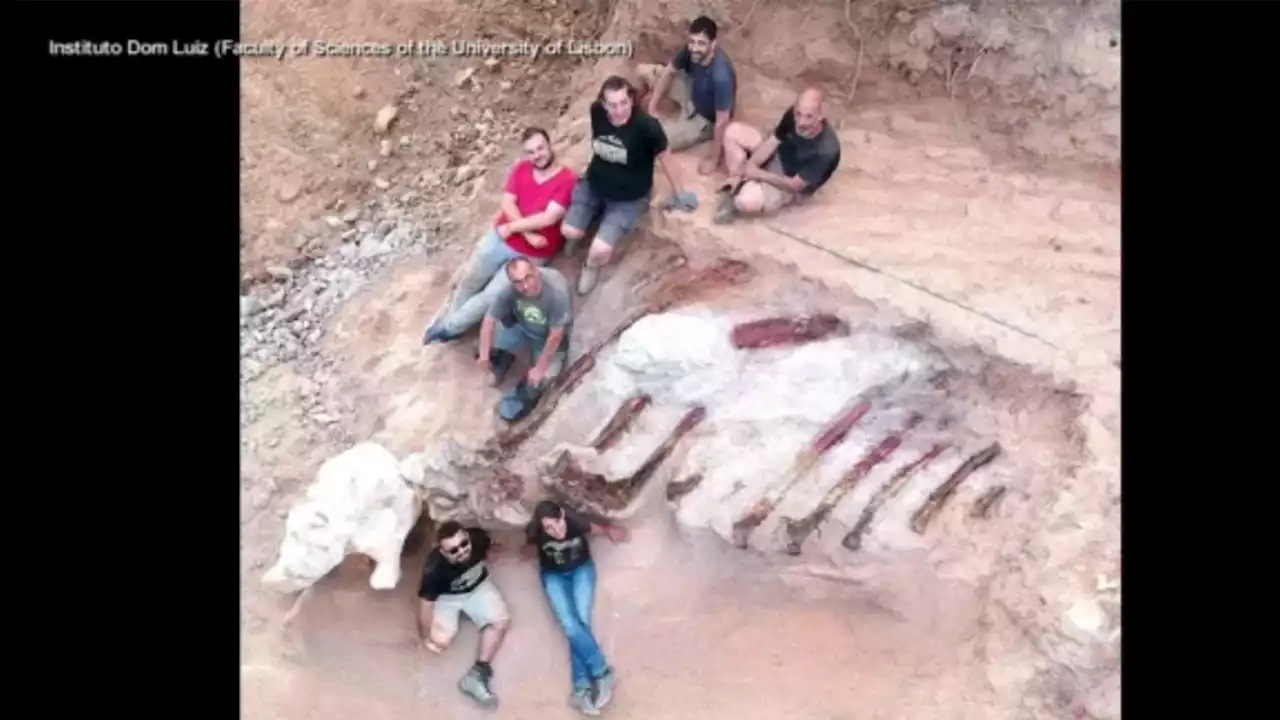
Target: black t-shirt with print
622 159
562 555
813 159
441 577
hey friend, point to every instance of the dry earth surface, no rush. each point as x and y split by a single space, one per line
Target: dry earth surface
975 218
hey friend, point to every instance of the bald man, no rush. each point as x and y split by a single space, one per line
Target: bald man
767 173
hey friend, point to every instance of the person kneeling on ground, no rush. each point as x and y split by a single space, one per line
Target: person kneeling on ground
535 309
536 196
768 173
618 184
701 80
568 573
455 580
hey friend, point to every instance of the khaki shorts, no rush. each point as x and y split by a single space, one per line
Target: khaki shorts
484 605
692 128
775 198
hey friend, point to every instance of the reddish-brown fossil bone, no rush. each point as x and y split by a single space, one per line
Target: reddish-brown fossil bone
777 332
677 489
594 491
982 506
807 458
939 497
620 422
567 382
799 530
853 539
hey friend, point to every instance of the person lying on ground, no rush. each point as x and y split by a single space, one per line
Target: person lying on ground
535 309
769 173
701 81
455 581
559 539
618 184
535 199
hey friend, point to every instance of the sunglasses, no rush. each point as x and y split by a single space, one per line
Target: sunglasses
456 549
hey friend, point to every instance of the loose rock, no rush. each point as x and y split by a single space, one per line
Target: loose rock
382 121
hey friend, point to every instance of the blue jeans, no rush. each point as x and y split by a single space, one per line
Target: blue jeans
571 595
513 337
482 282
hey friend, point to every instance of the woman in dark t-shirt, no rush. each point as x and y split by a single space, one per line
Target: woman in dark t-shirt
560 538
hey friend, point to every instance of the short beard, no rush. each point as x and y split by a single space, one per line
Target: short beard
551 160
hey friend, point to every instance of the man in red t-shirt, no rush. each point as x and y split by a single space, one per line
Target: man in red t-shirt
537 193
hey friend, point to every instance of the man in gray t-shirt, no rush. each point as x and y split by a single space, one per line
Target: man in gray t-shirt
535 310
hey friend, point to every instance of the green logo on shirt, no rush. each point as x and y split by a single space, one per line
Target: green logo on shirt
531 313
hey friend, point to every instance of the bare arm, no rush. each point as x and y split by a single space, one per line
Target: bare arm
791 184
764 151
486 338
665 164
553 342
660 88
426 610
717 145
537 221
508 207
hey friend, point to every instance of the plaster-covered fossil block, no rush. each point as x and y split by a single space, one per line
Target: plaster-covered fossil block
358 503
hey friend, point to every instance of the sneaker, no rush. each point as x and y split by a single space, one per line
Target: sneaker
500 362
587 280
603 688
580 700
727 211
474 685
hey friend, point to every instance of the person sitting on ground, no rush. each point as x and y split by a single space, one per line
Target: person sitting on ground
559 537
700 79
534 309
455 580
618 184
535 199
768 173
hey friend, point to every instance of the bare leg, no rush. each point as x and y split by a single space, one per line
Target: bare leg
740 139
491 639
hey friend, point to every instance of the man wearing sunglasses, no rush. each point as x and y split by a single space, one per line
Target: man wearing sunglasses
456 581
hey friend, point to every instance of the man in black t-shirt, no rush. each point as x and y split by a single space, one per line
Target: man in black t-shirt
559 537
769 173
455 581
618 184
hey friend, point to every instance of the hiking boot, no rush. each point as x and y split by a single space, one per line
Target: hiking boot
518 402
476 686
727 211
602 689
580 700
587 280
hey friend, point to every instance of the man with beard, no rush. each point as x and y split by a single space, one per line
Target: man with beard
455 581
700 80
534 310
789 165
618 184
536 196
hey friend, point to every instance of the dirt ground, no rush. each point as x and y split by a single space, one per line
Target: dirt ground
989 209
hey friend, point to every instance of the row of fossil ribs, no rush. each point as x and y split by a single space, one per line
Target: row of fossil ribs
773 332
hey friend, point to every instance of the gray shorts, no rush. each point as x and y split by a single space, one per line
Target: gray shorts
617 218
